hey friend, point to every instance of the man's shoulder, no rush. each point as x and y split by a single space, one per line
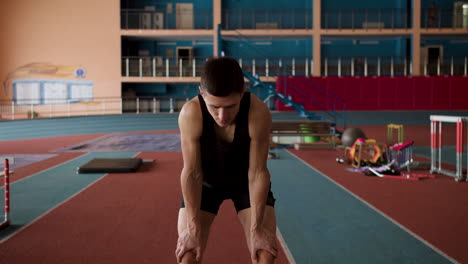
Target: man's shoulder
190 119
191 109
259 119
258 108
190 114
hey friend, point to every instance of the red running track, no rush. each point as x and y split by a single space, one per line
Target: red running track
122 218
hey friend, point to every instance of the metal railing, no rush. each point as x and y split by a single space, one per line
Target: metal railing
267 19
29 109
332 18
157 66
166 19
366 66
276 66
133 66
445 66
271 66
366 18
443 18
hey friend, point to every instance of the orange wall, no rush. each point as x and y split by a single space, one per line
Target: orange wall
82 33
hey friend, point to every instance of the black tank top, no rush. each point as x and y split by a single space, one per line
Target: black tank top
225 165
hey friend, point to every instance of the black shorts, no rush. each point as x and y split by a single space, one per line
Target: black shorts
212 198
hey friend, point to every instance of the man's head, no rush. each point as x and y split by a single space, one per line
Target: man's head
222 87
222 76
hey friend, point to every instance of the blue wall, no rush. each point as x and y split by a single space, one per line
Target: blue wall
364 4
179 90
201 48
438 3
162 89
455 47
443 13
268 48
140 4
203 12
266 4
364 47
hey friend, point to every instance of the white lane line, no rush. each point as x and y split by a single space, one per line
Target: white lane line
289 256
380 212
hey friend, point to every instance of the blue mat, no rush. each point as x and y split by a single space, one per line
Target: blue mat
323 223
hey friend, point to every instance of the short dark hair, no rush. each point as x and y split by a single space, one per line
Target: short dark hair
222 76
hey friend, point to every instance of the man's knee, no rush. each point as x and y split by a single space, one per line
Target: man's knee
189 258
265 257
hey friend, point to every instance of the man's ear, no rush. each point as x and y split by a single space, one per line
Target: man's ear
200 90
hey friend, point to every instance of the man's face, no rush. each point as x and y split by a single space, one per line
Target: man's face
223 109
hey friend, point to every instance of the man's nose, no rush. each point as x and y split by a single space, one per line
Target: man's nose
221 113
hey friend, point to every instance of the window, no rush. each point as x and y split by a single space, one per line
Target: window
27 92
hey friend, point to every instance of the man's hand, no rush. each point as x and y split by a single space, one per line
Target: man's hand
189 240
262 239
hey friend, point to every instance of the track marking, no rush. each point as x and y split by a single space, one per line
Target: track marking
287 252
57 205
378 211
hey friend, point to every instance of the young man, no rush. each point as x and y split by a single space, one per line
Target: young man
225 141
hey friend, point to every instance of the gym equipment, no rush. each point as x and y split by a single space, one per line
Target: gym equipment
282 130
406 176
390 129
6 221
365 152
118 165
402 154
459 120
350 135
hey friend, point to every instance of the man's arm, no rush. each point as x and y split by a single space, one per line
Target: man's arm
259 176
190 124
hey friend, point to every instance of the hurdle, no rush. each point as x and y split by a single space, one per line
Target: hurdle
436 124
390 129
6 221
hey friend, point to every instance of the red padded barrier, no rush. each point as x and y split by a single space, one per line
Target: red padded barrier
380 93
422 93
403 94
459 95
387 93
369 94
441 92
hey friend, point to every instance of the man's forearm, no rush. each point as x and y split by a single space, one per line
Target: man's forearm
259 186
191 182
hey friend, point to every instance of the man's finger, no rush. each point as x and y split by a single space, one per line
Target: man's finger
181 254
179 258
198 254
272 251
254 255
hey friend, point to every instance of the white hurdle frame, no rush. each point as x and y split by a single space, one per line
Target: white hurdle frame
438 119
6 187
